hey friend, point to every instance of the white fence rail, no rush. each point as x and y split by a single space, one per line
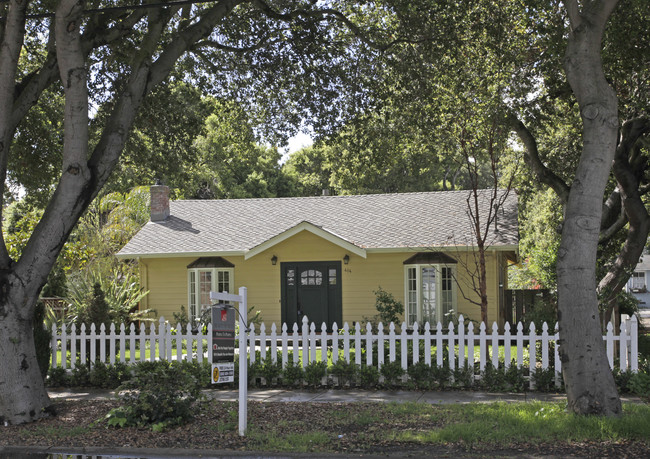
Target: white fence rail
459 344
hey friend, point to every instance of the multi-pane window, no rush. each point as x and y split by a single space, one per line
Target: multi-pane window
201 282
430 294
638 281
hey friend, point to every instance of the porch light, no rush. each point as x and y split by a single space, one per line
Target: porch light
346 259
274 260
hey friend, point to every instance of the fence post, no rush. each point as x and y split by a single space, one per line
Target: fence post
54 346
391 343
415 336
470 348
296 343
252 352
439 346
609 339
404 346
305 341
368 344
285 346
558 362
544 345
64 347
323 343
346 342
122 343
335 343
357 343
263 344
82 344
461 341
312 342
93 345
451 336
495 345
482 343
112 337
274 343
380 345
73 346
427 344
624 335
634 344
507 351
532 355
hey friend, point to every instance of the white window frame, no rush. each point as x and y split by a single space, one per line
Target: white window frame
193 314
418 294
637 281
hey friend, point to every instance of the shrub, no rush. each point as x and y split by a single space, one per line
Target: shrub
159 395
544 379
368 376
271 370
344 371
421 375
640 384
292 373
463 377
441 375
57 377
315 372
80 376
515 378
391 371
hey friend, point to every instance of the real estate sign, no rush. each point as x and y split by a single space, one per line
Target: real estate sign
223 343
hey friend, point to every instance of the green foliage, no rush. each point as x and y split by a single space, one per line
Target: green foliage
463 377
315 372
109 376
80 376
388 308
292 374
421 375
42 337
368 376
345 372
639 384
544 379
57 377
271 370
392 372
159 394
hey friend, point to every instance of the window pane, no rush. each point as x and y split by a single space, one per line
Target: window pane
205 285
429 296
412 295
291 277
447 294
332 276
311 277
192 306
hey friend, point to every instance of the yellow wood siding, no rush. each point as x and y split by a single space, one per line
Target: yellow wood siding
166 279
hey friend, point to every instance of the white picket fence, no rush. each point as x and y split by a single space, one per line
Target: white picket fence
164 342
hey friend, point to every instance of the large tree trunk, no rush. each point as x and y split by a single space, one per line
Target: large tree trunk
23 397
587 375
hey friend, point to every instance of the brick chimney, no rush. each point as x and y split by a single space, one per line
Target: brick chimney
159 202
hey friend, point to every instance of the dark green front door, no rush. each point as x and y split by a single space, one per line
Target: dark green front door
311 289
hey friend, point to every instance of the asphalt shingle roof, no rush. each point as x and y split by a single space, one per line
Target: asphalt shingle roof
378 221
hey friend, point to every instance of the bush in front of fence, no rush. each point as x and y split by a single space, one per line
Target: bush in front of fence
343 374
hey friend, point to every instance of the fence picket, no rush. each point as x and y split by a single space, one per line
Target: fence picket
460 345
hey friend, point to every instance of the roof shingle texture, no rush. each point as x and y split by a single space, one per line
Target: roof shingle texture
379 221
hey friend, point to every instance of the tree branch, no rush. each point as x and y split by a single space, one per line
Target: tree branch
543 173
10 47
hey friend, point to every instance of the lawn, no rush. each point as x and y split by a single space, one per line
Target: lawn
533 428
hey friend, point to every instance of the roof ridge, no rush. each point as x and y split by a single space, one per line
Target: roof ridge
340 196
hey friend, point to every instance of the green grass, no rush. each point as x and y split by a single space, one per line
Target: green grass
537 422
492 425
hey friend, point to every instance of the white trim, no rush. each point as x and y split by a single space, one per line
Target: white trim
418 289
306 226
213 285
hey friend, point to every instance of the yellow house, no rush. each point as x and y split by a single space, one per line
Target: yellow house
324 256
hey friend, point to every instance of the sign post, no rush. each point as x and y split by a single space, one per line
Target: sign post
223 338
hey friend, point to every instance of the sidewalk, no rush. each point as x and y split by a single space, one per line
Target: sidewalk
346 395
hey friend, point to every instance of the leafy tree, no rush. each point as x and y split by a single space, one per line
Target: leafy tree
110 59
